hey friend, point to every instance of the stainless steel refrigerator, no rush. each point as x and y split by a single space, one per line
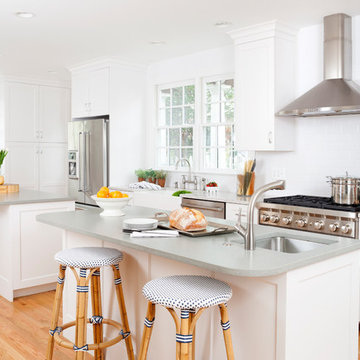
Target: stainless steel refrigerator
88 160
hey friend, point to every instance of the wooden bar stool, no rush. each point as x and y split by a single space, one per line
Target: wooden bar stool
88 261
187 293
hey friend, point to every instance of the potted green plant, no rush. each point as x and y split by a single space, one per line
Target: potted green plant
141 174
161 177
3 154
151 176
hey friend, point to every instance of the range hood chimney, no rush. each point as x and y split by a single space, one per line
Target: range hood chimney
337 94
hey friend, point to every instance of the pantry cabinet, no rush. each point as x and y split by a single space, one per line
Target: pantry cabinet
36 113
264 83
36 117
90 93
37 166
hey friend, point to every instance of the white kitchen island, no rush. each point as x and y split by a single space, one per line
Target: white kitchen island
26 246
284 306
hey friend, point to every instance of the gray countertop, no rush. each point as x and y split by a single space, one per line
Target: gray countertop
31 196
223 196
220 253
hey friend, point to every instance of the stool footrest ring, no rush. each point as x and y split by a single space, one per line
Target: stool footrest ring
64 342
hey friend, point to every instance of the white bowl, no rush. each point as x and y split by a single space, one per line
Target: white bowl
111 206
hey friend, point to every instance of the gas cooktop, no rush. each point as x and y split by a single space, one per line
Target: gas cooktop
317 202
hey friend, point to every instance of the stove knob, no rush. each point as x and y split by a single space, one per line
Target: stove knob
318 225
333 227
274 219
300 223
264 217
286 220
346 229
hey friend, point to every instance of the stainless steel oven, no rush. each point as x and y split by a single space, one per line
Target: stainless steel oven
214 209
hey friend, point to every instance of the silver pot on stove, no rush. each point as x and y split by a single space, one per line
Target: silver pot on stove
345 190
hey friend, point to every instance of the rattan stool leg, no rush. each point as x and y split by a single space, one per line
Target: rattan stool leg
123 314
148 325
81 315
225 323
184 338
97 313
56 311
192 344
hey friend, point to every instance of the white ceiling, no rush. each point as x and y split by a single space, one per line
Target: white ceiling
67 32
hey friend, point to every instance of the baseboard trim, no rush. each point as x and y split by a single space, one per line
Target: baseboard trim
34 290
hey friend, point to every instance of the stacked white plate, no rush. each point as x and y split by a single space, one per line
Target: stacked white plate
140 224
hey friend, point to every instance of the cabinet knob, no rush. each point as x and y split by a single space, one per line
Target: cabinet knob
270 137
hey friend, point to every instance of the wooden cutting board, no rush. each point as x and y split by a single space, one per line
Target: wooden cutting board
9 188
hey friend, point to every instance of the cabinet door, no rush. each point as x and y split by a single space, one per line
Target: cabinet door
255 121
22 165
233 210
99 92
35 245
52 168
54 113
80 95
22 112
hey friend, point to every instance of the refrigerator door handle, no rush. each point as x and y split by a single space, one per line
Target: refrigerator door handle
87 161
81 162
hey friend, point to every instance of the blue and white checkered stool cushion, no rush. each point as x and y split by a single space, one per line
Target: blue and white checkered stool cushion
187 291
89 257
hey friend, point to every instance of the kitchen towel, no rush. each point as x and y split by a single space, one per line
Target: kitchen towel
145 185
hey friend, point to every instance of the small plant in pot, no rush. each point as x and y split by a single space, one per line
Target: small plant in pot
3 154
151 176
161 177
141 174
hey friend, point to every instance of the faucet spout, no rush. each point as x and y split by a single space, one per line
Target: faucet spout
248 234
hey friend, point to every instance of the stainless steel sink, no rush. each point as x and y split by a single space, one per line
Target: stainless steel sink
287 245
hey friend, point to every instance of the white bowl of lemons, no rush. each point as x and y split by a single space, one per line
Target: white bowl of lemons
112 202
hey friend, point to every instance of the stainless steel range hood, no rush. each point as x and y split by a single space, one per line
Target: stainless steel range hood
337 94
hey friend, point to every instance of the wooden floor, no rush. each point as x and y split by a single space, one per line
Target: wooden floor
24 329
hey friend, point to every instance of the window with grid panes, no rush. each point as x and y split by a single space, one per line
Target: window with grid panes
218 125
175 128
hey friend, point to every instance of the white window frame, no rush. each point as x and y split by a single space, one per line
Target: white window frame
171 85
200 113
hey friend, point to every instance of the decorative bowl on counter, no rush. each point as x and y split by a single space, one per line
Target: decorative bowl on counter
112 206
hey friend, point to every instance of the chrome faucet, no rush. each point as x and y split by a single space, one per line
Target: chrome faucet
185 181
248 233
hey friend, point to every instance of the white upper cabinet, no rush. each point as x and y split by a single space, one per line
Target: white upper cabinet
54 113
36 113
90 93
264 82
22 112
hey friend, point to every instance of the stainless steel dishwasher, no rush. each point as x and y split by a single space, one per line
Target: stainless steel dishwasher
211 208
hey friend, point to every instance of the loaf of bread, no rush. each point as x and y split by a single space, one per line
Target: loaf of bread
186 219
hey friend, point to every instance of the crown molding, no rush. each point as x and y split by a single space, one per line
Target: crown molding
102 62
270 29
35 81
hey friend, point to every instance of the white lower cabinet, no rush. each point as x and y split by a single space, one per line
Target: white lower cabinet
28 248
37 166
233 210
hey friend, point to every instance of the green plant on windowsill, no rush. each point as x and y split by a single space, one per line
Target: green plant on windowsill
141 174
161 177
151 175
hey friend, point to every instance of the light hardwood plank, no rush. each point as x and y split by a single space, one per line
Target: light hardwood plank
24 329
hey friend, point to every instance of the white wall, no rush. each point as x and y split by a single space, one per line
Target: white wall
191 67
324 146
